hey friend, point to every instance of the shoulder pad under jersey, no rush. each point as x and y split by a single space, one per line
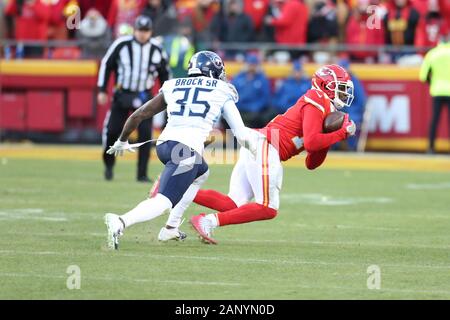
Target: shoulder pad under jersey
319 100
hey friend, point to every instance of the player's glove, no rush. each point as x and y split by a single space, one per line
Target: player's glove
119 147
349 126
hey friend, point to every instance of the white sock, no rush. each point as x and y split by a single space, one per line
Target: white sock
147 210
212 218
177 212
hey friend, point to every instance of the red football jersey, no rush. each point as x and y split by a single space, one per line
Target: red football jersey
300 128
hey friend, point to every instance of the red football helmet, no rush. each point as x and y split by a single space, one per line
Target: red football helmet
335 82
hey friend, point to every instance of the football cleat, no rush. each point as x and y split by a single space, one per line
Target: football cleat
203 227
115 230
171 234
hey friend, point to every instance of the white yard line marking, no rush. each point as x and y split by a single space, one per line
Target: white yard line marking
428 186
326 200
347 243
342 226
49 219
115 279
215 283
30 214
276 261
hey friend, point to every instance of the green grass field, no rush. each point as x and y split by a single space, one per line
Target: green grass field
332 225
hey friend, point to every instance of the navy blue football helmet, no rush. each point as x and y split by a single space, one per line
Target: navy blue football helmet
208 64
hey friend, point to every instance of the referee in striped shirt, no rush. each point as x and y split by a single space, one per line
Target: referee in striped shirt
136 61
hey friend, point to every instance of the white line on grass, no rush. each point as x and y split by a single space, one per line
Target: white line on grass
275 261
115 279
216 283
428 186
30 214
342 243
341 226
263 241
326 200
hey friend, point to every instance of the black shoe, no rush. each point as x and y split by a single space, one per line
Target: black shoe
108 174
144 179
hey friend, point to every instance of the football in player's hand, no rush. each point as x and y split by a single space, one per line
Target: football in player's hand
333 121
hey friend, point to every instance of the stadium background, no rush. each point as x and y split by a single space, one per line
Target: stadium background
62 82
357 211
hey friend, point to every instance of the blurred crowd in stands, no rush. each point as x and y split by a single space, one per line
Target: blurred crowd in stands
86 28
188 25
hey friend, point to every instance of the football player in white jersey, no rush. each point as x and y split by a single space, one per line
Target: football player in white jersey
193 105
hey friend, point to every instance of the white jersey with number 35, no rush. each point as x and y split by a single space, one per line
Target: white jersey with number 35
193 106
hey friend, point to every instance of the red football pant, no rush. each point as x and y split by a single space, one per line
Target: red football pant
247 213
214 200
228 212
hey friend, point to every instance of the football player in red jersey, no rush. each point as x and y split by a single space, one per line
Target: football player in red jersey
260 177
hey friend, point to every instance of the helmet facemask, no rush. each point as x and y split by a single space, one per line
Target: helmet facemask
343 93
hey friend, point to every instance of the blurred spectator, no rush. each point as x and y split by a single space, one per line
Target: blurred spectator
2 20
60 10
102 6
421 6
401 22
444 8
122 15
254 93
291 89
231 24
323 24
180 48
31 23
257 10
163 15
342 14
358 32
94 34
431 26
291 22
201 17
357 108
435 70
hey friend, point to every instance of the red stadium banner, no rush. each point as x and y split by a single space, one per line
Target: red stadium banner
400 115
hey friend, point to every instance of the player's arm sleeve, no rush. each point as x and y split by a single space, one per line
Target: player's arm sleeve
146 111
313 138
234 120
107 65
315 159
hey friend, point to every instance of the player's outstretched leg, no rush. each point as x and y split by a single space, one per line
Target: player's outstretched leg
214 200
171 230
205 224
144 211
